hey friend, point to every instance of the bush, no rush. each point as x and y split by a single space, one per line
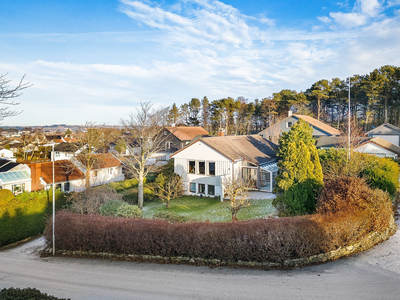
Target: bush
382 173
25 294
131 195
119 208
5 197
89 201
170 217
25 215
126 184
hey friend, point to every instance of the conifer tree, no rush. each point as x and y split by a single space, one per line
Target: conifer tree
300 175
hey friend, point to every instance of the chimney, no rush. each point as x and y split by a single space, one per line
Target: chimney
290 112
221 132
36 173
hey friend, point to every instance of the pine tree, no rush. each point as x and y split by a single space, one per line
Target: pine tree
300 175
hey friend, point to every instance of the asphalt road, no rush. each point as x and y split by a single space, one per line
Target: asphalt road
374 274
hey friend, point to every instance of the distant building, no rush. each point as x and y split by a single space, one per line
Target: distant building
387 132
179 137
15 177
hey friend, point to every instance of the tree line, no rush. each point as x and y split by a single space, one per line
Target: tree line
375 99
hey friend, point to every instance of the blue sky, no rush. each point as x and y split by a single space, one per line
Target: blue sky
96 60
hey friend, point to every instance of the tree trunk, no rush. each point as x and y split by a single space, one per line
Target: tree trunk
318 107
87 178
234 216
140 190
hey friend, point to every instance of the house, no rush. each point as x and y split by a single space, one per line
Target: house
371 145
66 150
107 169
179 137
15 177
67 177
205 164
273 132
7 154
387 132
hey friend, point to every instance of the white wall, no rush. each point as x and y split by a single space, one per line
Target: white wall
394 139
103 176
199 151
376 150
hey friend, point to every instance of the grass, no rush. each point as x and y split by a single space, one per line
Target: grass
209 209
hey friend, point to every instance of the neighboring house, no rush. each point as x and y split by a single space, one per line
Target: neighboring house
179 137
204 164
387 132
66 150
15 177
7 154
108 169
67 177
273 132
371 145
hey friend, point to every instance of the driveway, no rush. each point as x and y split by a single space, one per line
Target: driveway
374 274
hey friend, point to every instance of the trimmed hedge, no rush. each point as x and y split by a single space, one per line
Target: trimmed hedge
271 240
25 215
117 208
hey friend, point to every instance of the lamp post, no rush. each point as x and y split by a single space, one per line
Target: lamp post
54 201
348 124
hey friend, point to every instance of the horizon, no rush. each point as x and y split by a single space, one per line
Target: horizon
96 61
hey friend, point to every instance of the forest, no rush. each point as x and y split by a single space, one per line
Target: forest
374 100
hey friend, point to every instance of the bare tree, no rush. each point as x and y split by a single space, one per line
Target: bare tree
168 187
144 137
8 94
238 193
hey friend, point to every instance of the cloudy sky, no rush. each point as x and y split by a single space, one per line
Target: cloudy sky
96 60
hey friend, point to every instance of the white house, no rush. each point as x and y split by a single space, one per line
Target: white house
66 150
7 154
108 169
387 132
14 176
207 162
67 177
371 145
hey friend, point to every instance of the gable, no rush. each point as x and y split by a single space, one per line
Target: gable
200 151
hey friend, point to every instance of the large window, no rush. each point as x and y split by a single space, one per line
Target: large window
202 167
18 188
211 168
211 190
192 166
202 188
192 187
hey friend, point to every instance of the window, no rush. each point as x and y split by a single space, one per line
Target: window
202 188
94 173
289 124
202 167
192 187
66 187
110 171
211 168
211 190
57 154
58 186
192 166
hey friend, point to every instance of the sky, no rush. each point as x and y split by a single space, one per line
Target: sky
96 60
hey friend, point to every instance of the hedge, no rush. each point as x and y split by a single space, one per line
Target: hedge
270 240
25 215
25 294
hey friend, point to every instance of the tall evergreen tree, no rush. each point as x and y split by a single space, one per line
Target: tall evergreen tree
300 175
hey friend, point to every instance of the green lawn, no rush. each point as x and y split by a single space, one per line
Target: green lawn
203 209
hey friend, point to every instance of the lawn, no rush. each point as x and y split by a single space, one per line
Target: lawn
203 209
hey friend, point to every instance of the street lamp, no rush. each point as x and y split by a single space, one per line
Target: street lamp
54 197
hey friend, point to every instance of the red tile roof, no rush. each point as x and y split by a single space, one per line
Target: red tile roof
64 170
187 133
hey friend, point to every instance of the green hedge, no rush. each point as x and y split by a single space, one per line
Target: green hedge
25 215
117 208
25 294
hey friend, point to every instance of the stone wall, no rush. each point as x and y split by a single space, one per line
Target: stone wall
368 242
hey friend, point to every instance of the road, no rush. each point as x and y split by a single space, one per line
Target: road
374 274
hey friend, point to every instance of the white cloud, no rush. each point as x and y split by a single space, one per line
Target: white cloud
325 19
369 7
349 19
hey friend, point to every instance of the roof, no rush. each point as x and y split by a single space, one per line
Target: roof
14 176
252 148
64 170
7 165
341 142
66 147
385 129
106 160
187 133
318 124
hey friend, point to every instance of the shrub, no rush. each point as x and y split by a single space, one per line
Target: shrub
5 197
25 215
170 217
126 184
119 208
89 201
25 294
